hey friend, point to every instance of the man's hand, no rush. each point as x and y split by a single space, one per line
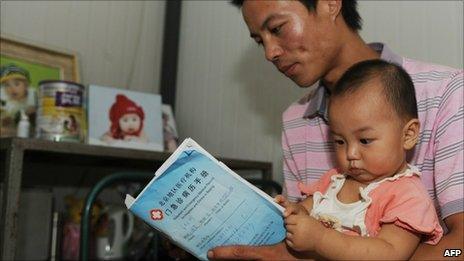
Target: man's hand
274 252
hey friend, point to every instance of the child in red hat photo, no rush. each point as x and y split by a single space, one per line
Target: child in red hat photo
126 119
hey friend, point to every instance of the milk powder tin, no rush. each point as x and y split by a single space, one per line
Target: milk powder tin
60 112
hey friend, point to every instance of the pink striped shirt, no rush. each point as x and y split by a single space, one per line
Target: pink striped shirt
308 151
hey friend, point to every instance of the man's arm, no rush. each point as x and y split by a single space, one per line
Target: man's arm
282 252
274 252
453 240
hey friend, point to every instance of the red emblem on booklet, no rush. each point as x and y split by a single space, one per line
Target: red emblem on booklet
156 214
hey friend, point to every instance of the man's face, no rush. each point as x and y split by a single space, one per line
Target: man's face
16 89
367 134
130 123
301 44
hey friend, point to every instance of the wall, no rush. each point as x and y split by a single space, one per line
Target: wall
230 99
427 30
118 42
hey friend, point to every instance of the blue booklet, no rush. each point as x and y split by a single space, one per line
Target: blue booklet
199 203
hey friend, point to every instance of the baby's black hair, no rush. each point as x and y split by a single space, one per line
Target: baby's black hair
396 82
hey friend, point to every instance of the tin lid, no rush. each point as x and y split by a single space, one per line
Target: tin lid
60 81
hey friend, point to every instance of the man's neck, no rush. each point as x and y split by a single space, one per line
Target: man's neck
353 51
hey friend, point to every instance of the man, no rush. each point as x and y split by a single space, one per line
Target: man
311 40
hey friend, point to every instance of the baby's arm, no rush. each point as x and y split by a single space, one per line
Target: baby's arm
107 138
307 234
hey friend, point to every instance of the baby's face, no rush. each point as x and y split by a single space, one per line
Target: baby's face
15 89
130 123
367 134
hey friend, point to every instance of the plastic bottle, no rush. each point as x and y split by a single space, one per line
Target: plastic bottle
23 126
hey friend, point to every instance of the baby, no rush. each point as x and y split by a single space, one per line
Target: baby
374 205
126 121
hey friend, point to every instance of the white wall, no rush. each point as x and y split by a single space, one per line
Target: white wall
118 42
230 99
426 30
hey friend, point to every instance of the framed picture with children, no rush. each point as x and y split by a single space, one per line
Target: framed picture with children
22 67
124 118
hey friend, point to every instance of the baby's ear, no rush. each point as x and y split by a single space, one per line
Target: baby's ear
411 134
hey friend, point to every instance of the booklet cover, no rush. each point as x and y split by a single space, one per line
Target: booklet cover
199 203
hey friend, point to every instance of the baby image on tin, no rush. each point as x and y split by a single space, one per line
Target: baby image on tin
123 118
60 111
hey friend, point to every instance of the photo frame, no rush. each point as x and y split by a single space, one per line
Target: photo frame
35 58
124 118
22 67
170 136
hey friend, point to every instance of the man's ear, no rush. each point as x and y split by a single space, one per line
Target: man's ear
411 134
332 8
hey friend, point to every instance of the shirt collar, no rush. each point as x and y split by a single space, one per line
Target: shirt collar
317 105
386 53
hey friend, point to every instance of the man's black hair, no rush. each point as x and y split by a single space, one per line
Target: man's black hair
396 83
349 11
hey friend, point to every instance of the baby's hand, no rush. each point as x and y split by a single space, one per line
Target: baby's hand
290 208
107 139
131 138
303 232
281 200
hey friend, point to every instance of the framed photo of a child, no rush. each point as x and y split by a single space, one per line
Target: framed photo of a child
17 97
124 118
22 67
